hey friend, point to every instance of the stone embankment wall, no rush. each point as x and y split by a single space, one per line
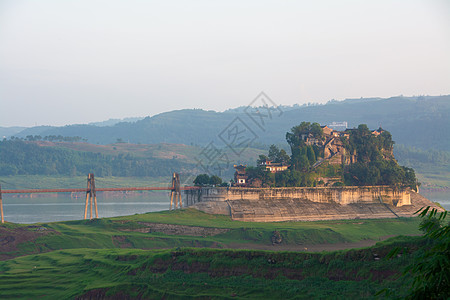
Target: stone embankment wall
301 204
339 195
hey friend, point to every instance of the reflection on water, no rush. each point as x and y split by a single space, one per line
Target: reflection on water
64 207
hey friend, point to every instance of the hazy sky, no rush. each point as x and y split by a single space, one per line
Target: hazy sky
64 62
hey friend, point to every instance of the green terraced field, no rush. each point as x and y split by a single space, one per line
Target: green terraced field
204 273
216 231
158 256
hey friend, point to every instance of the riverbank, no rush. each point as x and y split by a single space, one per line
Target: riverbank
189 227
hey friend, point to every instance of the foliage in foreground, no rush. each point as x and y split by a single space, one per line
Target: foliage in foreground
431 269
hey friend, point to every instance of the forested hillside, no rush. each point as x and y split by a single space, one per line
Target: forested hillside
432 166
413 121
19 157
26 158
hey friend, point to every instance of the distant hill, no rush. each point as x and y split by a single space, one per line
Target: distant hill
6 132
112 122
413 121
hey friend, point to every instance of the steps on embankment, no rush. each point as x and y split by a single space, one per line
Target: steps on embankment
275 210
417 202
296 209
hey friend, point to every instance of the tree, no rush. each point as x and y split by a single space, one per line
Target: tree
386 140
376 165
267 178
293 139
205 180
262 158
310 154
215 180
410 178
430 271
202 179
274 153
283 157
303 156
316 130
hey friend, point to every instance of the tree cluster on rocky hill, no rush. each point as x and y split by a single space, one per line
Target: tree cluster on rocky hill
365 157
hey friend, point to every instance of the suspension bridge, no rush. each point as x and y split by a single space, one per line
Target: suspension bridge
91 193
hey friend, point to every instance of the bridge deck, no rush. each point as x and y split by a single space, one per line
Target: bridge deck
32 191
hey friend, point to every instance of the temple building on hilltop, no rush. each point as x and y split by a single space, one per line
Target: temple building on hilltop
240 177
331 142
332 145
274 167
378 131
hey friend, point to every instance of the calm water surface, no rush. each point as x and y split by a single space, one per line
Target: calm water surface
64 207
442 197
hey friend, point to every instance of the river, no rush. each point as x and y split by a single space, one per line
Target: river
442 197
63 206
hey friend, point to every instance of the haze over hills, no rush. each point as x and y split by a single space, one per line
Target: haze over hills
111 122
413 121
418 126
10 131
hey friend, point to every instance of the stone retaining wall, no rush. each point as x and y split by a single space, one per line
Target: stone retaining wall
307 204
340 195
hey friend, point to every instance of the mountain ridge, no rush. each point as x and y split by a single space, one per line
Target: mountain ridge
413 121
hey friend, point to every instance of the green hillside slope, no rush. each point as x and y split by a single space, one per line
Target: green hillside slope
87 260
190 227
202 274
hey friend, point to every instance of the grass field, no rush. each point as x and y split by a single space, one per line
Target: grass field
118 258
205 274
162 150
192 228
